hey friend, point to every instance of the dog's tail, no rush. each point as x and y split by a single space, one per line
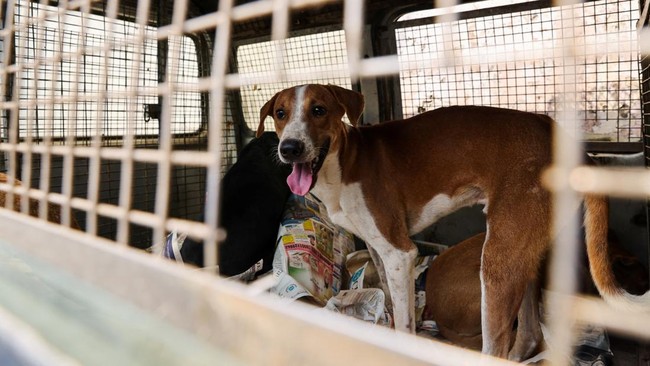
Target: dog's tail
600 264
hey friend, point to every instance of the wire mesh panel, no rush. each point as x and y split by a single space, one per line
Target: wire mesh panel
68 34
644 74
117 116
77 70
324 53
607 84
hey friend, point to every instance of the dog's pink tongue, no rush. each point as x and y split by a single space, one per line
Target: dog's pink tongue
300 179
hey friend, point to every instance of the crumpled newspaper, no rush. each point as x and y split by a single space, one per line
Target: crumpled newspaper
310 252
367 304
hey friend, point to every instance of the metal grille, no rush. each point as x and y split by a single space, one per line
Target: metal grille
77 73
644 74
76 78
607 84
323 53
46 78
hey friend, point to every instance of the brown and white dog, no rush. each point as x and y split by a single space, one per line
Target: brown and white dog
387 182
453 292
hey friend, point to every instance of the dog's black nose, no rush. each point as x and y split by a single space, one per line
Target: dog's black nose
291 149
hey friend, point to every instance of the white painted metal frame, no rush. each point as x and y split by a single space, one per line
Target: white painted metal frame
279 333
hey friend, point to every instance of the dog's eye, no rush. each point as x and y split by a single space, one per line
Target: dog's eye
280 113
318 111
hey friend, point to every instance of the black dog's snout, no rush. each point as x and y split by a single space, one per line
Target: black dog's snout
291 149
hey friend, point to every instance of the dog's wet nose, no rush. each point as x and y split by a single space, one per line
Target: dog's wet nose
291 149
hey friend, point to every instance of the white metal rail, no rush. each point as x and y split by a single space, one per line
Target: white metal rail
250 327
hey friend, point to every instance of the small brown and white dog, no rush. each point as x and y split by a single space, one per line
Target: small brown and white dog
387 182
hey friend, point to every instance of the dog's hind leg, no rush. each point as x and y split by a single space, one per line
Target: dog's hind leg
511 257
501 296
529 332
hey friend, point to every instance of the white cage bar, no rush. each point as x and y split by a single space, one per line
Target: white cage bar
218 319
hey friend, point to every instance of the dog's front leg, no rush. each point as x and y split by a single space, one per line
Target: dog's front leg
381 272
399 277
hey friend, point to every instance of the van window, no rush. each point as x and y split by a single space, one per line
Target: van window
86 70
321 58
606 85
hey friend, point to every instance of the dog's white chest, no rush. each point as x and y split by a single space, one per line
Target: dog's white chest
339 209
347 208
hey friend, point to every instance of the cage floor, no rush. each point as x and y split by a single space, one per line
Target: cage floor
90 325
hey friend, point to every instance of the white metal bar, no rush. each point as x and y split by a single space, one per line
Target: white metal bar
127 162
46 156
239 13
279 32
596 311
222 312
32 109
388 65
163 177
195 158
565 226
353 25
70 139
615 182
94 170
221 301
12 108
220 58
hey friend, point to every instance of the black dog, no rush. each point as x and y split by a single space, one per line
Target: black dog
254 192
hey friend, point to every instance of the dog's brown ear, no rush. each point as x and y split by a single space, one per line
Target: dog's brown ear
352 101
267 110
